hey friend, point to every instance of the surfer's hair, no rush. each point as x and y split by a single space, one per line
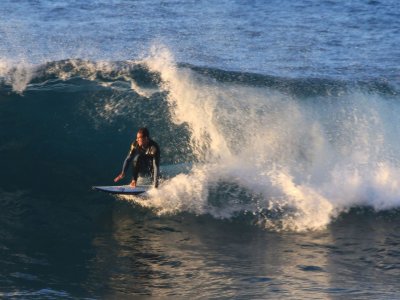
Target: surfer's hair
144 132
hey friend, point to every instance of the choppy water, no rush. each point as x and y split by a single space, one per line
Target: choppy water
278 124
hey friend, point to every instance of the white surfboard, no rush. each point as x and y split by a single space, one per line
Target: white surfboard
122 189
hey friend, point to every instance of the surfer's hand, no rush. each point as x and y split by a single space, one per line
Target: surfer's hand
133 183
119 177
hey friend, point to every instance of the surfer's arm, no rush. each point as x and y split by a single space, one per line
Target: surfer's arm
156 170
156 165
125 165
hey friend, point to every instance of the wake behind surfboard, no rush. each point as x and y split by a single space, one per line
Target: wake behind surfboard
121 189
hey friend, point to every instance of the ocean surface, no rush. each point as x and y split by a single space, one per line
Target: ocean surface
279 127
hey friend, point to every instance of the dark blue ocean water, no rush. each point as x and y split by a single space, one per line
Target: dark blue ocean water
278 123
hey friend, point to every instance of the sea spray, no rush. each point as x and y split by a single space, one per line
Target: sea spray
16 74
128 74
308 159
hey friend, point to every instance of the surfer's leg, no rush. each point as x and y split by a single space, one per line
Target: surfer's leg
136 162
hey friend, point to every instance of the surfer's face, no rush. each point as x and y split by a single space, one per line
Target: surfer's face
142 140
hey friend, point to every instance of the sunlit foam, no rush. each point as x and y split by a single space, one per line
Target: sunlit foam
306 159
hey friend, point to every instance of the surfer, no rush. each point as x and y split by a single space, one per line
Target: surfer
145 157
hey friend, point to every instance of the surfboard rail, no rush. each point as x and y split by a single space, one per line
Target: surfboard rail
121 189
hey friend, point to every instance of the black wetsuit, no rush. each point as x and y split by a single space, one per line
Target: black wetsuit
145 160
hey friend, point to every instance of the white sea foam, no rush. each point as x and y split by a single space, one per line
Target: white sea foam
18 75
262 151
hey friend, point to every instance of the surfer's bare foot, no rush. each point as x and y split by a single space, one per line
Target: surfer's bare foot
133 183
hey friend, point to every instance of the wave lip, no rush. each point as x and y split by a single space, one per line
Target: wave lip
21 76
137 75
